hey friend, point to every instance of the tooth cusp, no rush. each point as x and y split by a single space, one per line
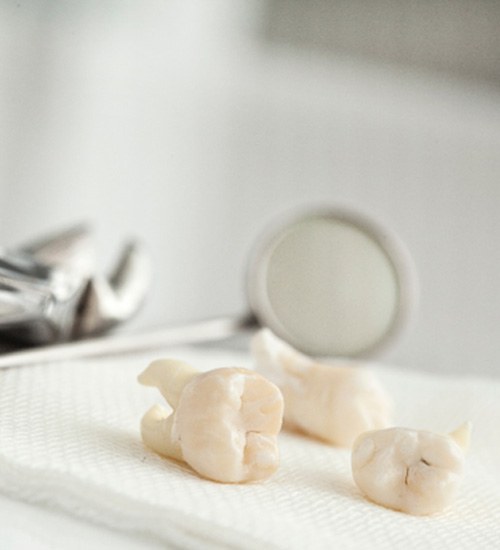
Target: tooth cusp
411 471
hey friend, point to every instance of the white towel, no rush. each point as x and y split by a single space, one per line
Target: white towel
69 437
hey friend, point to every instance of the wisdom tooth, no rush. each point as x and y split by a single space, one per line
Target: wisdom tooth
334 402
412 471
224 422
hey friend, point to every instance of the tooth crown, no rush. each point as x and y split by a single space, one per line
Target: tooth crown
224 426
333 403
412 471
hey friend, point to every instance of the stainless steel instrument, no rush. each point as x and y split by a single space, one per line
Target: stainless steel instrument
332 282
50 290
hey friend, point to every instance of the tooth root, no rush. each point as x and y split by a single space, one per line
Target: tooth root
276 358
462 435
170 377
156 431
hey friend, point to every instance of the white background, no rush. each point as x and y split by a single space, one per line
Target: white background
184 124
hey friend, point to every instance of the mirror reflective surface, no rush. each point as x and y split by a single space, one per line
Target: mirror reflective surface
332 283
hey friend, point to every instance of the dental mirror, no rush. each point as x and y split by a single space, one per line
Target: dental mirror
331 282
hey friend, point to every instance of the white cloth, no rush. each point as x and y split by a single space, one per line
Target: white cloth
69 437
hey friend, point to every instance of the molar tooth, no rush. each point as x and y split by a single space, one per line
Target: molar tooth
412 471
224 423
334 403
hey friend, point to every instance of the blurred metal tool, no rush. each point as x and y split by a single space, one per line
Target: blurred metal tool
193 333
330 281
51 292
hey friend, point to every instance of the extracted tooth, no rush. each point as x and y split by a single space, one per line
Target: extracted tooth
334 402
416 472
224 422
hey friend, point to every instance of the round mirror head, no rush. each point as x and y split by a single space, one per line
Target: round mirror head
332 283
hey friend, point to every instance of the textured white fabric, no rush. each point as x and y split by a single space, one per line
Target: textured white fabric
69 437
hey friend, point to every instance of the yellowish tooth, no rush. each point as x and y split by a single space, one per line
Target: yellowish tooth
416 472
224 422
333 402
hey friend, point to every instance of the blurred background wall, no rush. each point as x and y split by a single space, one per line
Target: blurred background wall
192 123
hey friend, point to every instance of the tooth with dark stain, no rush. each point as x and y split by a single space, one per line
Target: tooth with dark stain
416 472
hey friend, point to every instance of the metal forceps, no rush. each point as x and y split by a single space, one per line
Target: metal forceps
51 292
